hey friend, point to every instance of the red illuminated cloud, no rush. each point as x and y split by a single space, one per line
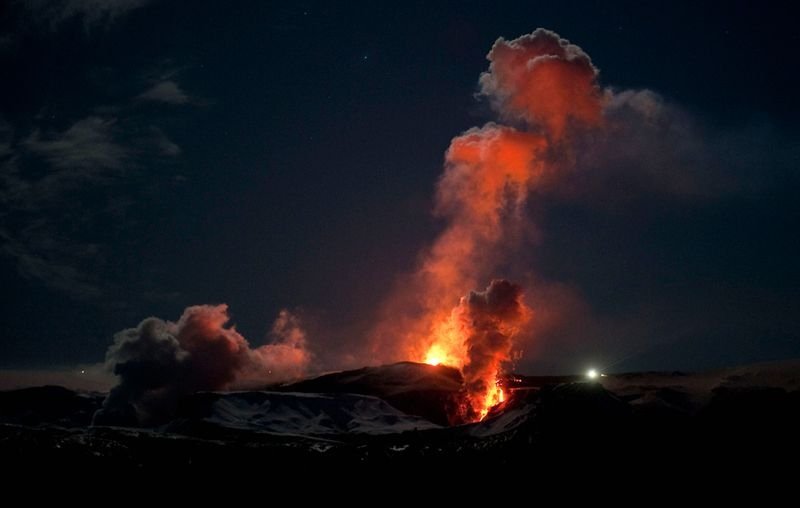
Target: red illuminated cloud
543 80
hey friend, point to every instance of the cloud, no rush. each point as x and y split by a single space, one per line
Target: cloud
34 230
69 186
650 147
545 88
542 79
93 13
538 193
88 144
167 91
44 169
165 145
61 264
61 192
158 362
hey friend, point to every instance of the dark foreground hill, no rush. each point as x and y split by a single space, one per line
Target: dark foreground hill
381 418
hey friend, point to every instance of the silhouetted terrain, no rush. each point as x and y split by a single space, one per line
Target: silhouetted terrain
393 417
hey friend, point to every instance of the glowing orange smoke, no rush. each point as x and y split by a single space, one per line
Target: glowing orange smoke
451 346
488 172
446 344
547 87
478 338
544 80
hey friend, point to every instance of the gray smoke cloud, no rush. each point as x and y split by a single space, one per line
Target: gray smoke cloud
158 362
490 319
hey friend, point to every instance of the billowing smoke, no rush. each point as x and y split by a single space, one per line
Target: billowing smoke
557 135
489 319
543 80
158 362
546 89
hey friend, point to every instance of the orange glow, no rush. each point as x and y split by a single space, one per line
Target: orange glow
547 86
544 80
495 396
437 355
446 344
477 337
488 175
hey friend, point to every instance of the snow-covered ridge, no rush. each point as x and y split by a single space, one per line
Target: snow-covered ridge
303 413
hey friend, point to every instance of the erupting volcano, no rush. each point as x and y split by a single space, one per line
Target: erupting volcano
544 88
323 237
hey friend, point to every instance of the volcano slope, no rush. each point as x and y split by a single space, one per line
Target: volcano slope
397 416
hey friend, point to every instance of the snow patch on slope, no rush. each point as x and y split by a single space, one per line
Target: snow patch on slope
309 413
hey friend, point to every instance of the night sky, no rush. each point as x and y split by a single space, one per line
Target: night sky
159 154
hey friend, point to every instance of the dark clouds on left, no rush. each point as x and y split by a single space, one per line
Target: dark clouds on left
156 154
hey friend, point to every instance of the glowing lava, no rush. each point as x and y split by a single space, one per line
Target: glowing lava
477 338
438 355
494 397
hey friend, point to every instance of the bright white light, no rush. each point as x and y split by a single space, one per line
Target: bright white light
591 374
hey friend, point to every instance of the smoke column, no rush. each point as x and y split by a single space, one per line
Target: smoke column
545 94
489 321
543 88
158 362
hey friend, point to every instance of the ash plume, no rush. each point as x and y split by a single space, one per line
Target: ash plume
490 321
545 92
158 362
546 87
557 137
543 80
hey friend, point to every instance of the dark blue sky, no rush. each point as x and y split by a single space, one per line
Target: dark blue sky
161 154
